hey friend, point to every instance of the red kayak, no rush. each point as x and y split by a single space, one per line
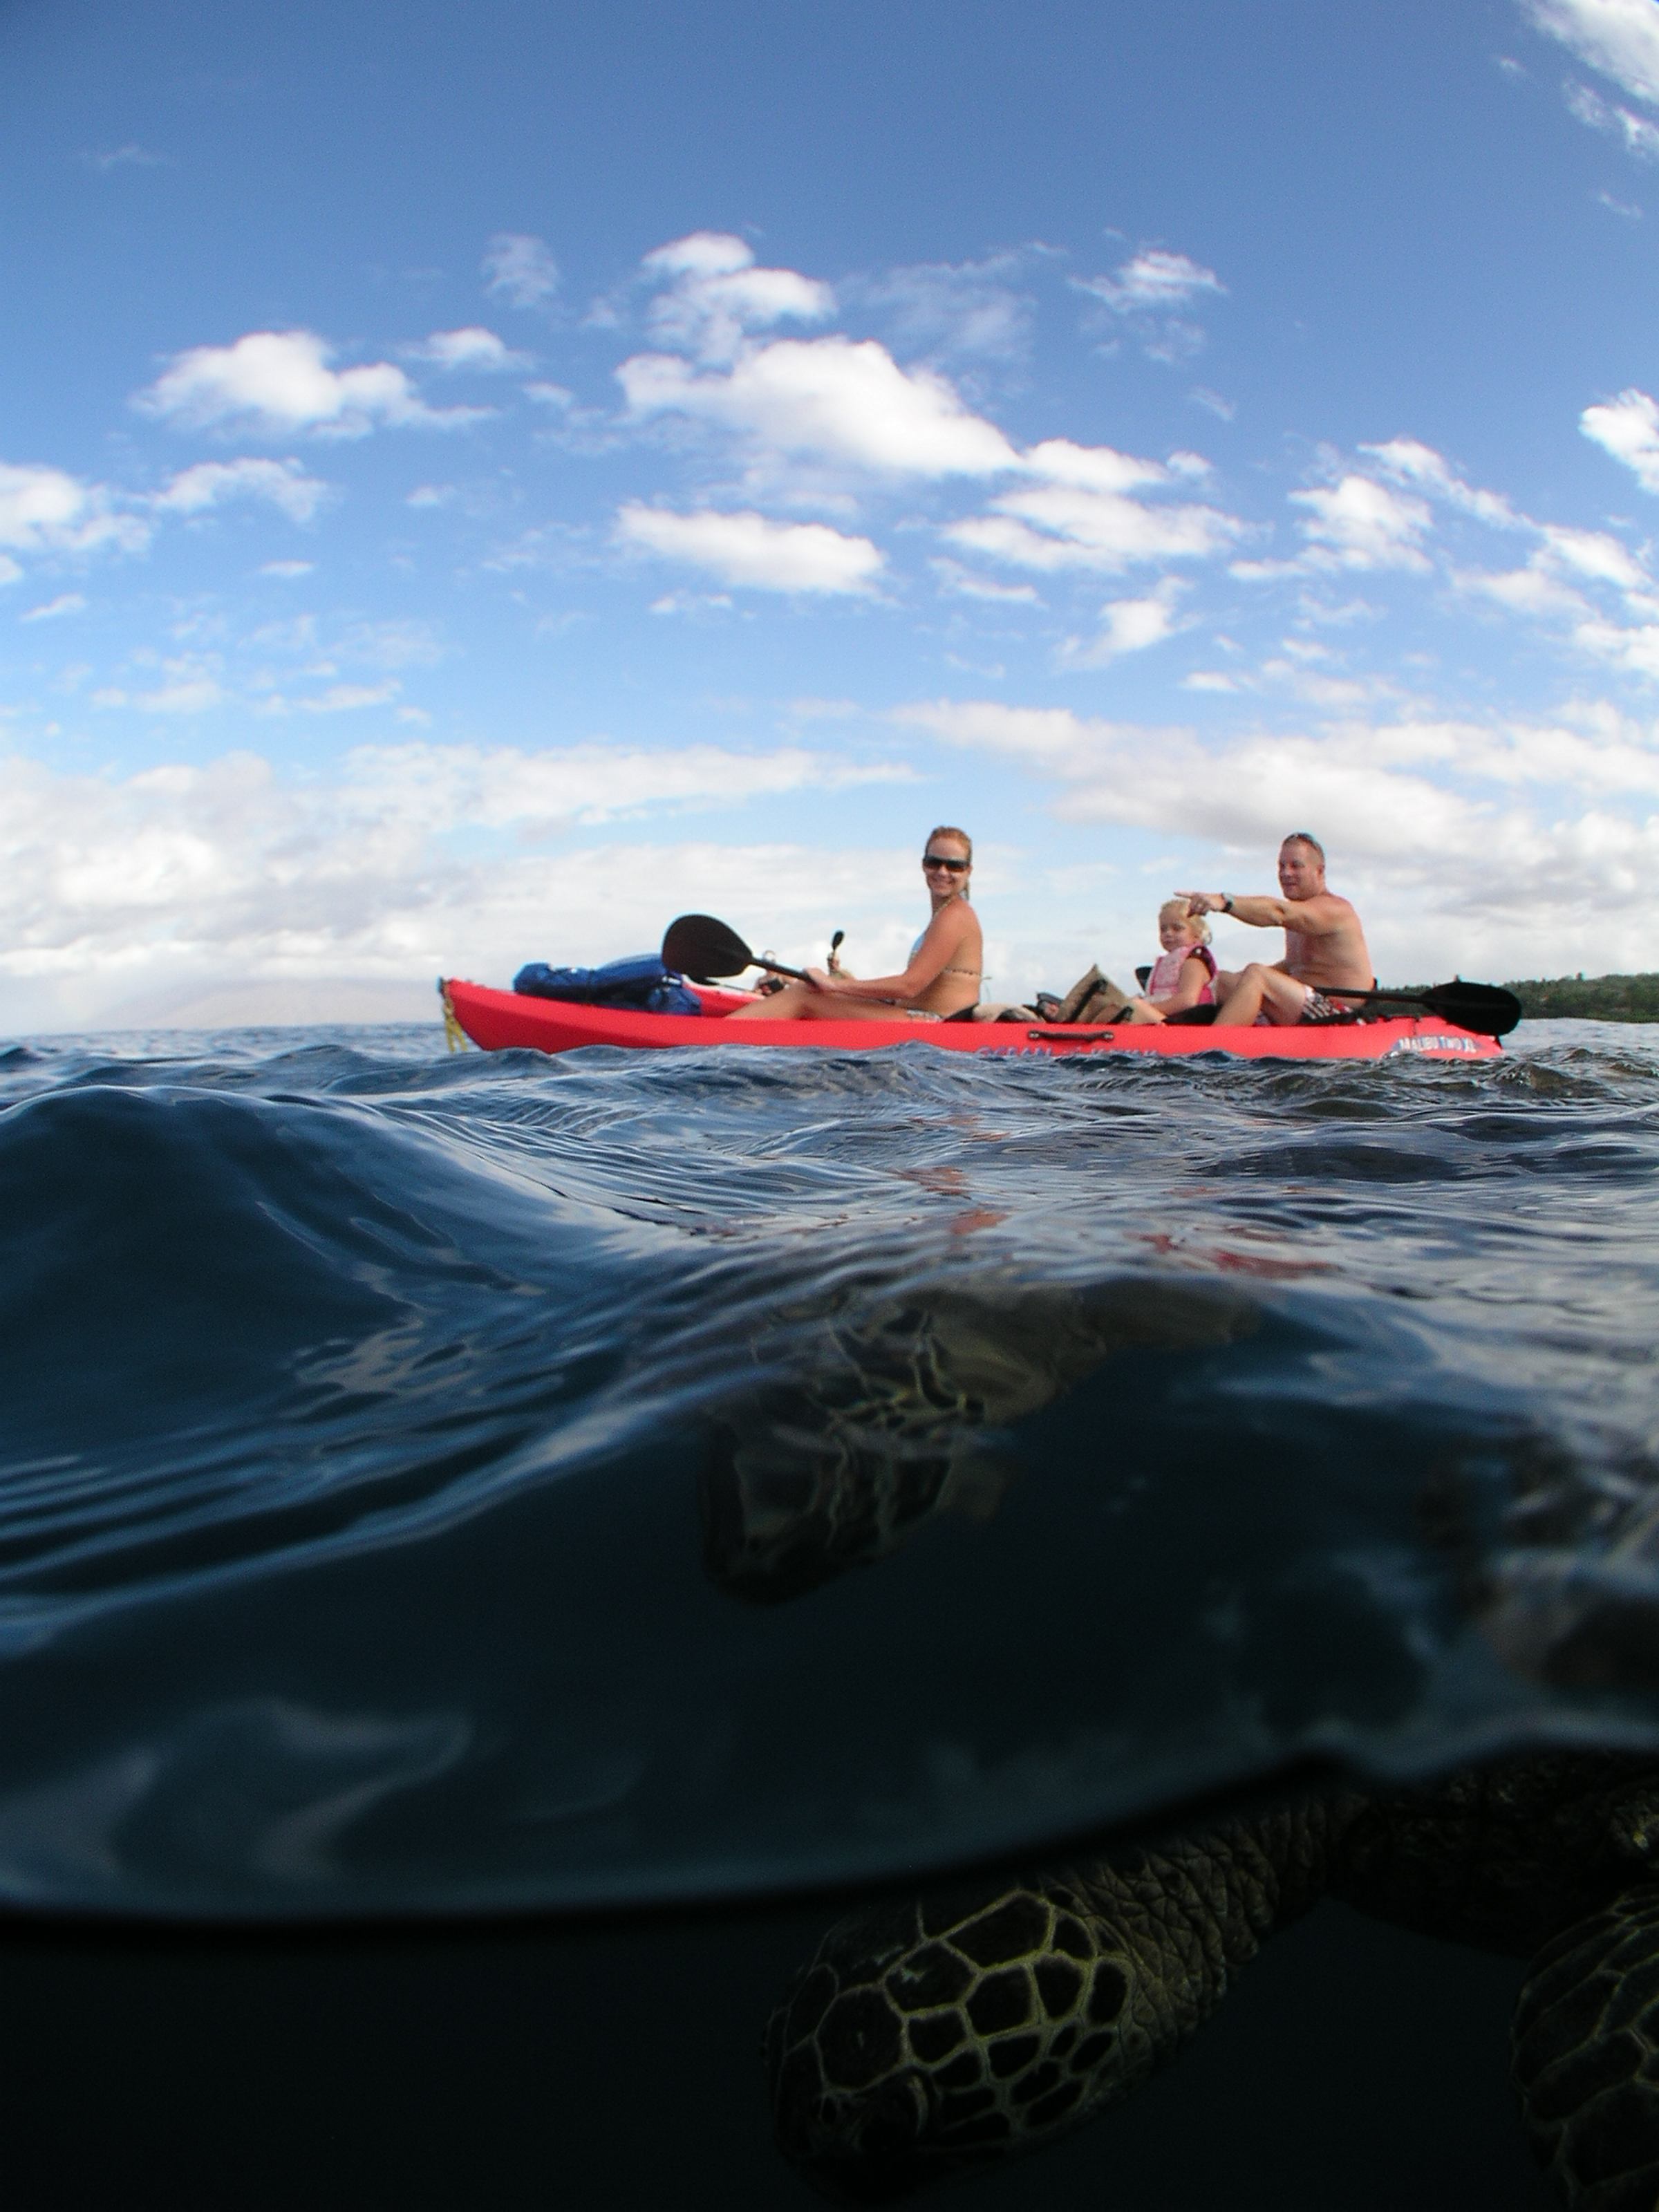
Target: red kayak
498 1020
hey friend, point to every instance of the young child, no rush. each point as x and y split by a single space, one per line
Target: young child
1183 974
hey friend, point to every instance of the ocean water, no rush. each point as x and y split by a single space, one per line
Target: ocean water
435 1484
482 1493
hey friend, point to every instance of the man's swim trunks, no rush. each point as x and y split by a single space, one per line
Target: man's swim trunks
1317 1009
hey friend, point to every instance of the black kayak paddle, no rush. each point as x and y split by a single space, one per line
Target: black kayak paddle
1481 1007
701 947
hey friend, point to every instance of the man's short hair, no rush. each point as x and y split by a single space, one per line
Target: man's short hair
1303 837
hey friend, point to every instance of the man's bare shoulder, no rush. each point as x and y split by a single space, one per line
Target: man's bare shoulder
1320 915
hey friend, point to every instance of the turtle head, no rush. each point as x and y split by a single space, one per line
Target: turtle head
926 2040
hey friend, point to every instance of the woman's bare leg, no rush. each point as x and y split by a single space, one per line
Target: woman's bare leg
800 1002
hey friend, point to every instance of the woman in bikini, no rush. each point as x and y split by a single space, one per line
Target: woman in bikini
940 982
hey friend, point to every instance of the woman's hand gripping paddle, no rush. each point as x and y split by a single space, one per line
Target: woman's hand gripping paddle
703 948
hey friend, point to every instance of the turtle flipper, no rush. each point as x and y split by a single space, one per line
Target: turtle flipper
1586 2056
930 2037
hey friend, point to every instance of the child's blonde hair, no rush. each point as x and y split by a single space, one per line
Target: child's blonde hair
1197 928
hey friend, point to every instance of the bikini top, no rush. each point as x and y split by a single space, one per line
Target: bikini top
972 973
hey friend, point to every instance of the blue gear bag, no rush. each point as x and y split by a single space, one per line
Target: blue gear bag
641 983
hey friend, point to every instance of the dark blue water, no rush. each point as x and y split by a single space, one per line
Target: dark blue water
437 1483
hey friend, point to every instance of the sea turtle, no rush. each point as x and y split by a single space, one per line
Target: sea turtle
895 1419
931 2038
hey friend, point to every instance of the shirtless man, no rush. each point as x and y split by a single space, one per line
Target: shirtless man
1324 945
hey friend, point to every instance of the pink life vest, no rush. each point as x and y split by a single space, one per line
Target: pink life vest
1165 977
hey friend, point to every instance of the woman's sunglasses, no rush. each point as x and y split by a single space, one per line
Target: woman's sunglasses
943 860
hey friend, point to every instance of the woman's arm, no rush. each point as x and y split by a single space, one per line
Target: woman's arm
933 956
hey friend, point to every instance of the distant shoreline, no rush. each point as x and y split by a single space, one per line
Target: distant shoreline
1590 998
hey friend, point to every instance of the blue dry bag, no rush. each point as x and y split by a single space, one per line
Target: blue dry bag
642 984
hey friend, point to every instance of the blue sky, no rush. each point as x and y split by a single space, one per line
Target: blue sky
477 481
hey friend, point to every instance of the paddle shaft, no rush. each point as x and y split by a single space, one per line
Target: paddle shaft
1451 1000
1480 1008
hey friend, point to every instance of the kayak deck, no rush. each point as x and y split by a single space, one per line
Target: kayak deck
498 1021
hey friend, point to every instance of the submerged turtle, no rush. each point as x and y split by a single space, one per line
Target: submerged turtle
894 1421
926 2039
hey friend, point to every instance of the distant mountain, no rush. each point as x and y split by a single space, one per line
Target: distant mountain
1591 998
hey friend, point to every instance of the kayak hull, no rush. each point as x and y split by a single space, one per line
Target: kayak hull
500 1021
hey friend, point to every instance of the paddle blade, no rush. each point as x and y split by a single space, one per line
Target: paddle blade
1482 1007
698 944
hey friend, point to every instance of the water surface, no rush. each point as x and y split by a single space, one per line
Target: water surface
438 1484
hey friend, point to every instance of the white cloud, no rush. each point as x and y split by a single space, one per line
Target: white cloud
551 395
1628 429
1129 626
1433 821
831 399
407 860
1593 554
1093 468
287 569
1359 524
45 510
338 699
1362 524
278 382
129 156
189 689
1153 280
703 253
1634 650
397 643
747 550
1529 591
962 583
66 603
1080 515
1620 38
1641 138
1408 460
520 269
958 307
284 484
474 349
715 294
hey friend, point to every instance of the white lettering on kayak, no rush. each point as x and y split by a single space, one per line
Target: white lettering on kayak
1434 1044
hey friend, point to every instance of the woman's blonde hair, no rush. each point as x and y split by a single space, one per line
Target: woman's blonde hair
1198 928
949 829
